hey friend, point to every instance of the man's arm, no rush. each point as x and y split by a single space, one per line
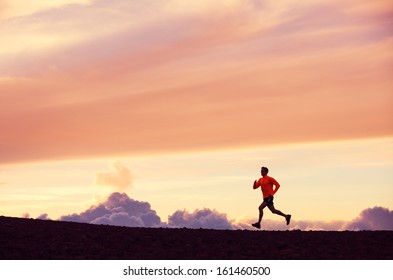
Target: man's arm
256 185
276 184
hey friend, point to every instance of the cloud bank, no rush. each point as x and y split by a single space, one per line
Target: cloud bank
118 210
376 218
121 210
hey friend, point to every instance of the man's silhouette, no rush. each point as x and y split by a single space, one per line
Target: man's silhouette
266 183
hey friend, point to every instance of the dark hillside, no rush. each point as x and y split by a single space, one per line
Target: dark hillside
38 239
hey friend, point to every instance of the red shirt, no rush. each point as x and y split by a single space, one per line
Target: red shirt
266 183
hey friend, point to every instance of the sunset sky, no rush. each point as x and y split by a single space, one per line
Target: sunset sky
179 103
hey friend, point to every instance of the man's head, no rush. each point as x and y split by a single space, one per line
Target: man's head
264 171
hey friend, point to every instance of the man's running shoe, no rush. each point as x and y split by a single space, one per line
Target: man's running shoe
256 225
288 219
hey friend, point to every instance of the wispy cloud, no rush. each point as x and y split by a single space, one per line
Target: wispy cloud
107 78
20 8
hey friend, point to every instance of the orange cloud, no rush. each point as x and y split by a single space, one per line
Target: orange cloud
199 81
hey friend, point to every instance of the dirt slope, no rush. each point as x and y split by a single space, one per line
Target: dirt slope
37 239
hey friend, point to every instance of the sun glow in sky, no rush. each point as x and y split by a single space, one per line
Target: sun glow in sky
179 103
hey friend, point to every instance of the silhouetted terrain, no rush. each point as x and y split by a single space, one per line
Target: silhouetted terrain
39 239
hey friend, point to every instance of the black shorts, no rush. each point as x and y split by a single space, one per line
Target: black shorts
268 200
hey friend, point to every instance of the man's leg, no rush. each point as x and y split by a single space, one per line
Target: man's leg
278 212
260 208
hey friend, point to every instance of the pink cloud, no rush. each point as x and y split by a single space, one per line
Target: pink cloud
44 216
197 81
205 218
305 225
376 218
119 210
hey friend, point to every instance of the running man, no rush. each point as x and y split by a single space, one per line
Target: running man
266 183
